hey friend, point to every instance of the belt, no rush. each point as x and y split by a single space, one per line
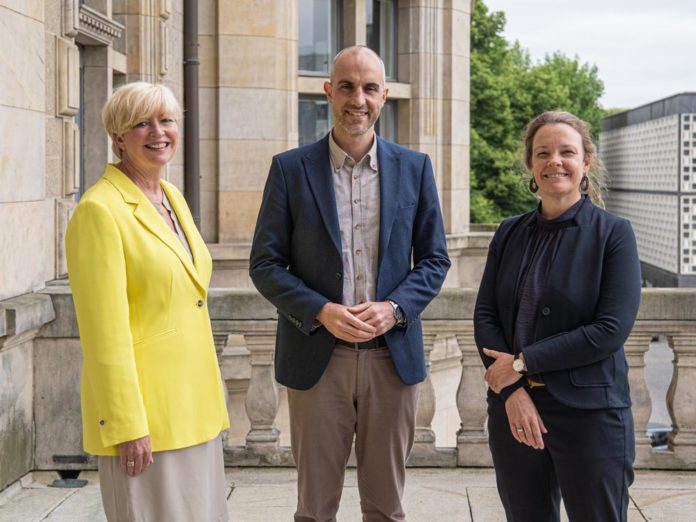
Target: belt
377 342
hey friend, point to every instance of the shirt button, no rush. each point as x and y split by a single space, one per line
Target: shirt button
356 177
356 201
358 252
199 303
359 277
545 311
357 227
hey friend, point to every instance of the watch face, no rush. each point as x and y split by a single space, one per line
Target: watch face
517 365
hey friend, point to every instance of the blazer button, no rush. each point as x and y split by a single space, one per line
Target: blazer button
199 303
102 422
545 311
339 275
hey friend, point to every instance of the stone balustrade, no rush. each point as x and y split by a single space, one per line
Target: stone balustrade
244 327
667 312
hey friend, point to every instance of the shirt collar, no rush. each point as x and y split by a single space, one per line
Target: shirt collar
339 157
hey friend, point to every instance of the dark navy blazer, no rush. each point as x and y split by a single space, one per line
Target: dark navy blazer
296 255
586 311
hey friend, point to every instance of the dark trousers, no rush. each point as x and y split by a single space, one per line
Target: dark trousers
587 459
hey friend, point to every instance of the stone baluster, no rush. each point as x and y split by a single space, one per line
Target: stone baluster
220 340
262 398
425 436
681 398
472 439
636 346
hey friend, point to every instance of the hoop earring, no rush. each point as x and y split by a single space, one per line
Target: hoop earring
584 184
533 187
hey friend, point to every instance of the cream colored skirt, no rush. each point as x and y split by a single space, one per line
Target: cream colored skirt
184 485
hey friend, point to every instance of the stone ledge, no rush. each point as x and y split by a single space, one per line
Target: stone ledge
25 313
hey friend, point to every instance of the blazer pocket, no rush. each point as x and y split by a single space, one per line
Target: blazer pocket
598 374
154 338
406 212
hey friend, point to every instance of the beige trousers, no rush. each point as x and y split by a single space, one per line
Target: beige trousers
359 395
183 485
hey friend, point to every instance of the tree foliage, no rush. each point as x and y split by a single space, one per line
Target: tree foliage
507 91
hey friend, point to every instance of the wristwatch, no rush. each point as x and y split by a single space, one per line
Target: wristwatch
518 365
398 313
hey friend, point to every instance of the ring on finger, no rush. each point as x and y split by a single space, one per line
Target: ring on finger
130 463
520 430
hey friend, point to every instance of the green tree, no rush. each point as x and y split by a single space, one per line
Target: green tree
508 90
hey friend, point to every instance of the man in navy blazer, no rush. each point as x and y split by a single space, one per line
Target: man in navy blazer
350 248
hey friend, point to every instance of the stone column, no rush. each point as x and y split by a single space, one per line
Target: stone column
472 438
354 22
636 345
433 55
681 398
262 397
253 98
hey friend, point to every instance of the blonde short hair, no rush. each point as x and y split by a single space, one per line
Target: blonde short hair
134 102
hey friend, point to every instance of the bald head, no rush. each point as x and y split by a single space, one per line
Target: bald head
360 52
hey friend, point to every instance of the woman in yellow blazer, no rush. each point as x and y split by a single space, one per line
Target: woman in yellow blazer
153 404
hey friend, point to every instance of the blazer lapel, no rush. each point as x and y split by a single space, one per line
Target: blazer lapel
198 268
145 212
317 167
389 166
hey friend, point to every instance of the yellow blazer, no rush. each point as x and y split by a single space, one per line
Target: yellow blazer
149 360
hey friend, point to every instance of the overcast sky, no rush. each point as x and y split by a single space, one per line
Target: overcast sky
645 49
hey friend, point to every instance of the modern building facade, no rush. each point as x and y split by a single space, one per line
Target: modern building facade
262 64
650 153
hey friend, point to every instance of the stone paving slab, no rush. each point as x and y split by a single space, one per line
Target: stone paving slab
268 495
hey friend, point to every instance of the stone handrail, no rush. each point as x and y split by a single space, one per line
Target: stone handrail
667 312
244 329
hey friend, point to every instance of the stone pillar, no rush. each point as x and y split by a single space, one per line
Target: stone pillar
98 82
636 345
681 398
354 23
472 438
433 57
254 101
262 398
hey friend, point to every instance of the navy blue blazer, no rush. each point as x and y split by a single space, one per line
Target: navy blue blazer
296 255
586 311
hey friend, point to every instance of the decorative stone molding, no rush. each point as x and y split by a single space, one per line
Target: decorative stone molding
67 78
88 26
22 316
636 346
472 438
64 210
163 48
681 398
71 18
71 155
165 8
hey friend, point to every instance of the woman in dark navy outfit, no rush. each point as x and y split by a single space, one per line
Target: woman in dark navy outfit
558 298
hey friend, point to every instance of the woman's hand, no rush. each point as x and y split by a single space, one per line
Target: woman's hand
525 422
136 455
500 374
